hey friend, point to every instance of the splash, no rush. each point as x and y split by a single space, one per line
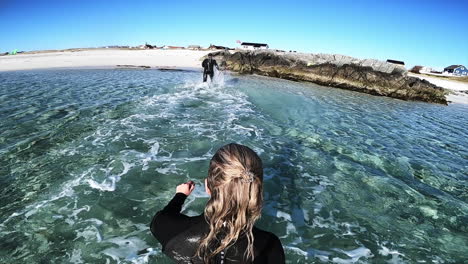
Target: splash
218 79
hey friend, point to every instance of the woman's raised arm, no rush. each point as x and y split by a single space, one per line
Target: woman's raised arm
169 221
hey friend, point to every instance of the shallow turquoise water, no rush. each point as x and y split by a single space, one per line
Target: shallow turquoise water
88 156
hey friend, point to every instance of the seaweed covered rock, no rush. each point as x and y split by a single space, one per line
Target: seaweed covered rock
367 76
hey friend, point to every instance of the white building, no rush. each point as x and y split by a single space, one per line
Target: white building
425 69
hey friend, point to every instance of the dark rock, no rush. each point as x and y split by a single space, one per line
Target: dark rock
133 66
367 76
174 70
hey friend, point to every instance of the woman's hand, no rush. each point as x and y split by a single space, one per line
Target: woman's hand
186 188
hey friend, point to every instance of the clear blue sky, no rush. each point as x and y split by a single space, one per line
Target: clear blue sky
431 33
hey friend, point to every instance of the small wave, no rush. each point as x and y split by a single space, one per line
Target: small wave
67 190
109 184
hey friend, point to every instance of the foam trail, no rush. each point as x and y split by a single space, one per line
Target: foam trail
109 184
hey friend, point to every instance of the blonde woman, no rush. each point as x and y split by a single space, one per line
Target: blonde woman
225 233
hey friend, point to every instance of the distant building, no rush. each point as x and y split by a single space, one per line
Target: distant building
116 47
173 47
416 69
194 47
458 70
396 62
215 47
147 46
426 69
421 69
253 46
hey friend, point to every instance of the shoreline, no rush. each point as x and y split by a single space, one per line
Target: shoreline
156 59
114 67
102 58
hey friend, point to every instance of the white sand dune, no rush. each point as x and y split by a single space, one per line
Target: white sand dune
103 58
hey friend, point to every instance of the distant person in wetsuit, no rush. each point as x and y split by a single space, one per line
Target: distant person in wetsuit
225 233
208 67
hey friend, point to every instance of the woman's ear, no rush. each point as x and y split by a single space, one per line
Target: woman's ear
207 190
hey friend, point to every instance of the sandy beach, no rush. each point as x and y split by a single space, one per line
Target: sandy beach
103 58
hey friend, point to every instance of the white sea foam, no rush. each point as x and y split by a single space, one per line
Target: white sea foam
151 155
94 221
291 229
296 250
396 256
109 184
75 257
429 212
66 191
90 233
310 252
172 168
284 215
125 248
79 210
355 255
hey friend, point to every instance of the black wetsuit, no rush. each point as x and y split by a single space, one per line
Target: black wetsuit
208 68
179 236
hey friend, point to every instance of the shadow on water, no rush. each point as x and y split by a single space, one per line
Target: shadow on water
283 196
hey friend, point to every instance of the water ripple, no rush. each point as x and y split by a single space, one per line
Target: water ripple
88 156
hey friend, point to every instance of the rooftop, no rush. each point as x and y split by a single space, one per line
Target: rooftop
396 62
452 67
254 44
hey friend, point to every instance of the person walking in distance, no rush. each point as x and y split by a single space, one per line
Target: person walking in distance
208 67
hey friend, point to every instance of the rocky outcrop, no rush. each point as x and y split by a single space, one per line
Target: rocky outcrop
126 66
367 76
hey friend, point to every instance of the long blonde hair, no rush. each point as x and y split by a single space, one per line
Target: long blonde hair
235 179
